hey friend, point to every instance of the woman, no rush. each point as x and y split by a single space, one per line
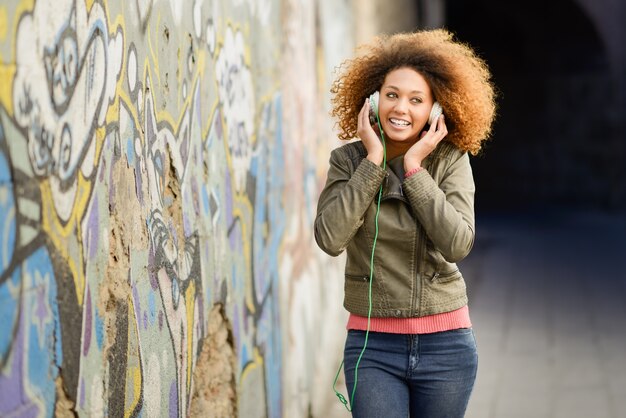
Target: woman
401 203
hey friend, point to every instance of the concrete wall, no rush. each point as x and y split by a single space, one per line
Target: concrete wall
159 166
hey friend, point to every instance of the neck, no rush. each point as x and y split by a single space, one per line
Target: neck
395 149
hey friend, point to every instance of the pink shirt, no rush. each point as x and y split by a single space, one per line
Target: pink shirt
424 325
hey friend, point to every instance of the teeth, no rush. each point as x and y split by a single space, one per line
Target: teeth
399 122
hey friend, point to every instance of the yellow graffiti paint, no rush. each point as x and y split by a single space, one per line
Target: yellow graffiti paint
190 301
253 365
219 36
164 115
60 233
243 203
7 72
3 23
24 6
133 372
155 58
206 129
160 115
136 380
122 96
253 380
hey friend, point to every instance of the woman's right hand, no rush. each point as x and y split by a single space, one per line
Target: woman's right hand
370 139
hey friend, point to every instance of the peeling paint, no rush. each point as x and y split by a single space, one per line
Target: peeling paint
214 393
64 407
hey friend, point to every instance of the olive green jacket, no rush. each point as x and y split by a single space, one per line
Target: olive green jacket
426 225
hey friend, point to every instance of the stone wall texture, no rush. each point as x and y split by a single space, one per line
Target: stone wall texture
160 161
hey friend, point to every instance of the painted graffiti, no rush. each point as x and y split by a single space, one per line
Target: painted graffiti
237 99
140 184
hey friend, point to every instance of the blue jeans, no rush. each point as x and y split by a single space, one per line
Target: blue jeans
400 375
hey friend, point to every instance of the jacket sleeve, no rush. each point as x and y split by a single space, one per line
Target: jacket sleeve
446 212
344 200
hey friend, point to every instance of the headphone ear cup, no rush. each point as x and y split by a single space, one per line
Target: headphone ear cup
374 107
435 112
374 102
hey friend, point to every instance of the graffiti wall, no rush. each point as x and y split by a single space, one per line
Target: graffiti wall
159 166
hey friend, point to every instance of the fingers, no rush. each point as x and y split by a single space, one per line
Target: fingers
436 132
364 129
433 127
363 117
441 126
442 129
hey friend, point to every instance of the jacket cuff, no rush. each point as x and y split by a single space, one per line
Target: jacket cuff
368 176
420 188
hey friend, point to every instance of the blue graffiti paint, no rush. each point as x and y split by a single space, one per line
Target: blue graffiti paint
151 307
268 167
277 212
99 327
205 202
130 152
36 345
13 396
39 267
9 312
7 210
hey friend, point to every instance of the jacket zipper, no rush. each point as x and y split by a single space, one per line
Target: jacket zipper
417 285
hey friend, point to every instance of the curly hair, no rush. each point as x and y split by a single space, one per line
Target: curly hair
460 81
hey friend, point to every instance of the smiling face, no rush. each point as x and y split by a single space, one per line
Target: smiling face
404 106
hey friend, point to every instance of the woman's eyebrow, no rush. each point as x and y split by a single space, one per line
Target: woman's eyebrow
413 92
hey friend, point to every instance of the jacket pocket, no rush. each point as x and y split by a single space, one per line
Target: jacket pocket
358 277
445 276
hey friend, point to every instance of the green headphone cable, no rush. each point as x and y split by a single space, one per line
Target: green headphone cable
342 399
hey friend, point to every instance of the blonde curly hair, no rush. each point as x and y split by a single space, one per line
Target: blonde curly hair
460 81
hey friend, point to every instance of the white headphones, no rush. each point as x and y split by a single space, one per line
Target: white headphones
435 111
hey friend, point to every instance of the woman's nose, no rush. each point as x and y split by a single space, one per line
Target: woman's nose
401 106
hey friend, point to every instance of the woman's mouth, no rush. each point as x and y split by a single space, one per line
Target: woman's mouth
400 123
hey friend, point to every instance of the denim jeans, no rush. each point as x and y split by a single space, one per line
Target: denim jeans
417 375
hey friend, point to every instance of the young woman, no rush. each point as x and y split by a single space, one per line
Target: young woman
400 202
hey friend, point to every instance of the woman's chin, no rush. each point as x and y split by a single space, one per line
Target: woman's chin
402 139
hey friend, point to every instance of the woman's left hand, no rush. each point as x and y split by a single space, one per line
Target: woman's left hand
425 145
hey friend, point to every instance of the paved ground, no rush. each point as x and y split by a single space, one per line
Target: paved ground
548 304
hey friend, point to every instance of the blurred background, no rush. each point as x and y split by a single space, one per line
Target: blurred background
546 285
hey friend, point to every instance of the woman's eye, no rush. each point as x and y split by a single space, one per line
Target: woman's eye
416 100
392 95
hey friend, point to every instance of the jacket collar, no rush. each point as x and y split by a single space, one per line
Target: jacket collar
392 186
